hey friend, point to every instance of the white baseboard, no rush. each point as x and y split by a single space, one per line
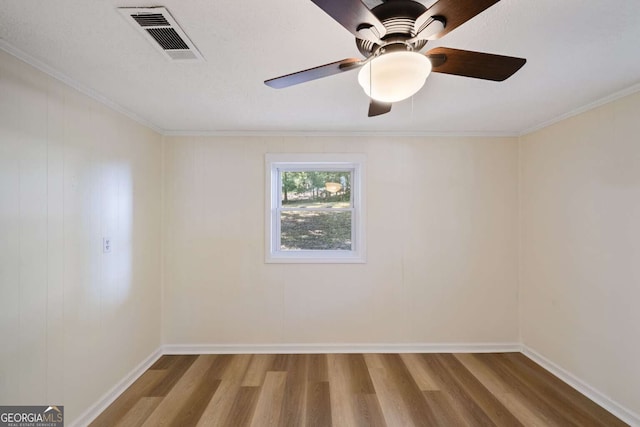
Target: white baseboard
108 398
601 399
340 348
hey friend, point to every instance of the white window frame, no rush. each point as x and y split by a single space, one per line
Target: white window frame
313 161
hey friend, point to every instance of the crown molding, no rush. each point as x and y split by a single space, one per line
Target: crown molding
60 76
590 106
360 133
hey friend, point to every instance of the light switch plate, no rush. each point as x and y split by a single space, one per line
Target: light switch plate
106 245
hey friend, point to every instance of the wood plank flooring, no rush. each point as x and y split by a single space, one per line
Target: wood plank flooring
321 390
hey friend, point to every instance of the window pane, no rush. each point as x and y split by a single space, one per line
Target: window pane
316 189
314 230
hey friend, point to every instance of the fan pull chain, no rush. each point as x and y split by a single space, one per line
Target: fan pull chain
371 80
412 106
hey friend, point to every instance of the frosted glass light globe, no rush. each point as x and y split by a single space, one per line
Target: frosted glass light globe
394 76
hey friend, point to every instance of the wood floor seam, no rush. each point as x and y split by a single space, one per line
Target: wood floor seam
344 390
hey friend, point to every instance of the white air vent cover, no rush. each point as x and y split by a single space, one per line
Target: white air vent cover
159 27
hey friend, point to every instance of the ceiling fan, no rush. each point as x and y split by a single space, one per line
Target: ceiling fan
391 37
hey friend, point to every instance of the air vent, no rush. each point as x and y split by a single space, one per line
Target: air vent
167 38
159 27
151 20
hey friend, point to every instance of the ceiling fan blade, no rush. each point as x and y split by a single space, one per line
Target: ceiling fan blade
354 16
454 12
314 73
377 108
474 64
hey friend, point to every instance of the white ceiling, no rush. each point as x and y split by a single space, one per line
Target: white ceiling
578 52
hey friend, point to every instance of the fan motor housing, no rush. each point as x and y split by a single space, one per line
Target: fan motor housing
398 17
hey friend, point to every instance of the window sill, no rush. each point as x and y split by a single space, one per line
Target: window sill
311 258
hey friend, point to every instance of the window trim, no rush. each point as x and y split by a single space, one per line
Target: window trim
314 161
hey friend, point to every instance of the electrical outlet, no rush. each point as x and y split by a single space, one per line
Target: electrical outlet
106 245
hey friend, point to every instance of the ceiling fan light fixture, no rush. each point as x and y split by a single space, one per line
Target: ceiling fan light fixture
394 76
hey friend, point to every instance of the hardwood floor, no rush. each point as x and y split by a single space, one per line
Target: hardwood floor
502 389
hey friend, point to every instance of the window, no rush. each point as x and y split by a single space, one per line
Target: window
314 208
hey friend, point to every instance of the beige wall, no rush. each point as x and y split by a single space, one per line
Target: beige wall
442 246
73 321
580 283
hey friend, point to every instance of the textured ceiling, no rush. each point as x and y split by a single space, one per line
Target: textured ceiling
578 52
